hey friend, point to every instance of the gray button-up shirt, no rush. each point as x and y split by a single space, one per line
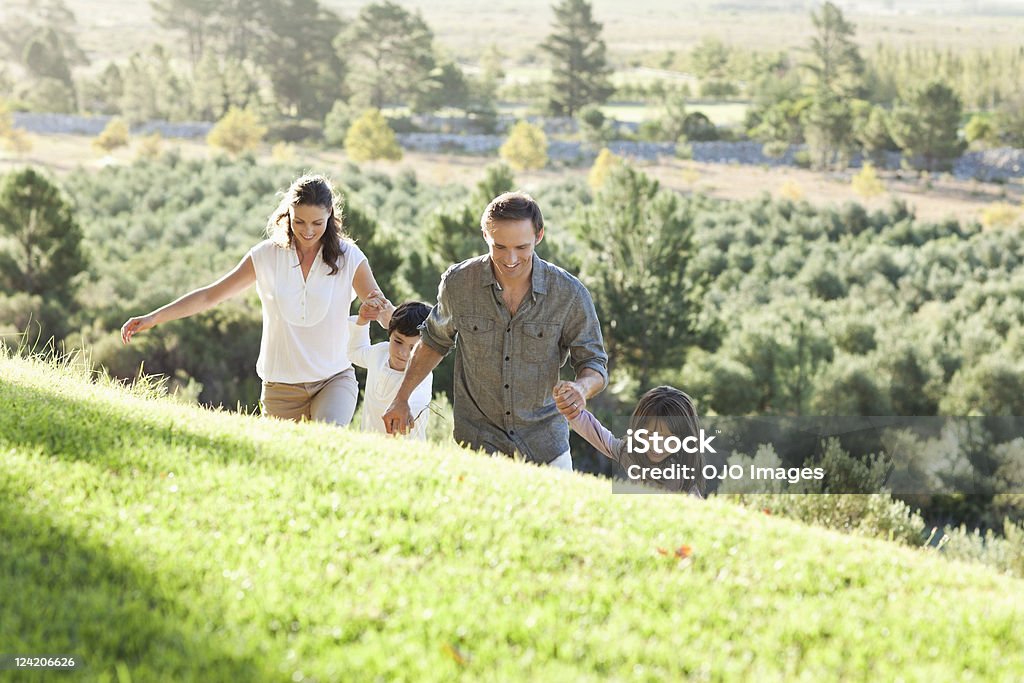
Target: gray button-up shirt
506 366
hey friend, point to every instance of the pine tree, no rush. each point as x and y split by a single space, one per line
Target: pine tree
580 71
925 125
391 55
42 251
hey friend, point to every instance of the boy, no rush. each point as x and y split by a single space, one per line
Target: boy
385 364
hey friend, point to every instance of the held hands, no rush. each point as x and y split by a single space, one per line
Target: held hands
134 325
375 307
569 398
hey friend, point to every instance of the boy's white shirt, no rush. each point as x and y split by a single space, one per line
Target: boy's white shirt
382 383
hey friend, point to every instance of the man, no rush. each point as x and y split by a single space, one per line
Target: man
514 319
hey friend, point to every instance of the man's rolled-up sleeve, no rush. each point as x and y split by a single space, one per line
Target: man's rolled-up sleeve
581 334
438 330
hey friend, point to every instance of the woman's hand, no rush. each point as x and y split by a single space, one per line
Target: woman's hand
136 324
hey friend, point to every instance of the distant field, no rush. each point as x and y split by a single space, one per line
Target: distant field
720 113
114 28
946 197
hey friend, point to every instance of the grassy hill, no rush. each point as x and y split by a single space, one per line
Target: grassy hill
158 541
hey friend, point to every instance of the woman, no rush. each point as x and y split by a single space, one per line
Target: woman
307 273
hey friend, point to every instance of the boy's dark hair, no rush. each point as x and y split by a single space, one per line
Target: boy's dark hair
513 206
407 318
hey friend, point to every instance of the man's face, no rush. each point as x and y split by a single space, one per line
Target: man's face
510 245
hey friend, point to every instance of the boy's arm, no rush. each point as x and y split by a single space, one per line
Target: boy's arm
359 342
588 426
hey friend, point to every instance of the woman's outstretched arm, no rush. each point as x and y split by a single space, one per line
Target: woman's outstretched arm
238 280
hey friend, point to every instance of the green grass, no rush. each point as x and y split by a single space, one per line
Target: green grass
159 541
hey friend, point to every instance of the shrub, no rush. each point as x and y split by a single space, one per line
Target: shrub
866 182
526 147
602 168
369 137
113 136
238 131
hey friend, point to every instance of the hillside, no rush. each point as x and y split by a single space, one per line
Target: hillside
158 541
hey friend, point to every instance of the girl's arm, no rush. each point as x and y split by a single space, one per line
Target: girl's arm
238 280
588 426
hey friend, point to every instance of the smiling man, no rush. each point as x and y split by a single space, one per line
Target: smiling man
514 320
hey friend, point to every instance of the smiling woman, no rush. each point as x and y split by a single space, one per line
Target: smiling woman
307 273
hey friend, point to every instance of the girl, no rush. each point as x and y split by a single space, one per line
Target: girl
664 410
307 273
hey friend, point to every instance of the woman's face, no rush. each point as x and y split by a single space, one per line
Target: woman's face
308 223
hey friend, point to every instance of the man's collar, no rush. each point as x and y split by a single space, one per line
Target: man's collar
538 275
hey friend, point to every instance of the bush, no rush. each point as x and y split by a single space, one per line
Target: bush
150 146
866 182
238 131
369 137
602 168
1000 215
337 123
526 147
113 136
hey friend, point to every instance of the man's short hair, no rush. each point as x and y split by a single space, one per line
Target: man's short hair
513 206
407 318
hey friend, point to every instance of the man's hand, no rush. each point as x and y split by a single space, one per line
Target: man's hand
398 418
570 398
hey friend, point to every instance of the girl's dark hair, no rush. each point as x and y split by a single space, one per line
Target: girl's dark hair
311 190
667 408
407 318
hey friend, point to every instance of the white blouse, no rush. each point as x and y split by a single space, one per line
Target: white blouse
305 322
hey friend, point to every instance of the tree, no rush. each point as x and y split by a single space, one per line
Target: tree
447 87
828 128
102 95
594 126
42 252
580 71
872 132
391 55
836 70
304 69
336 123
44 57
153 88
925 125
637 241
834 62
526 147
238 131
370 137
981 130
192 18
